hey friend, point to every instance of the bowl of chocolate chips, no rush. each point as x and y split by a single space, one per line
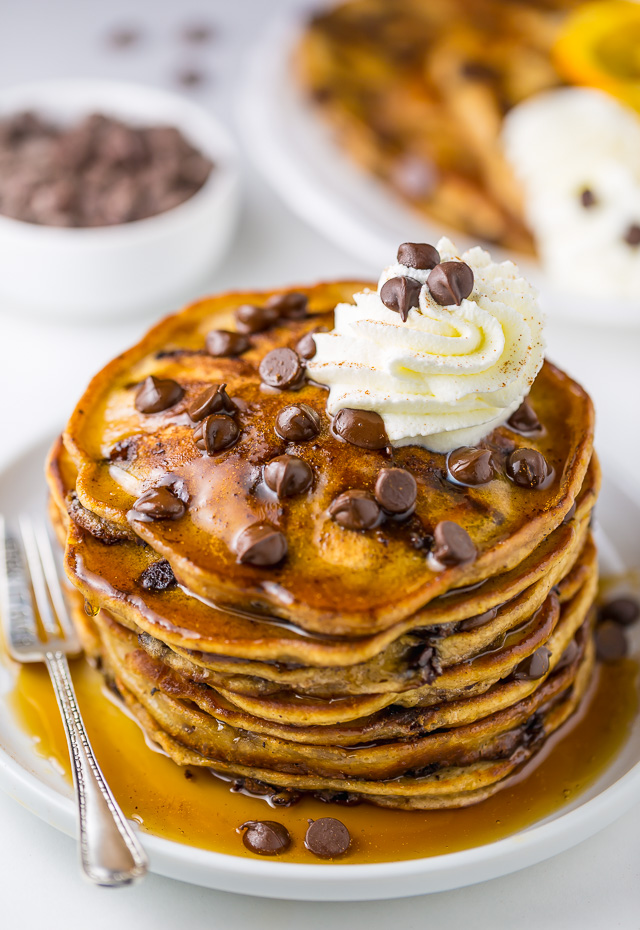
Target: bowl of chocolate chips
115 198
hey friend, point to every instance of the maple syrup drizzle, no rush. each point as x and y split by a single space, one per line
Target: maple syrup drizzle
194 807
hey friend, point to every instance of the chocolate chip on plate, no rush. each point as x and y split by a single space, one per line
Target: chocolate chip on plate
287 475
362 428
418 255
215 433
158 577
159 504
355 510
290 306
524 419
298 423
281 368
400 294
252 319
306 347
396 490
156 394
265 837
214 399
632 235
623 610
327 838
528 468
534 666
471 466
452 545
221 343
611 641
450 283
261 544
587 198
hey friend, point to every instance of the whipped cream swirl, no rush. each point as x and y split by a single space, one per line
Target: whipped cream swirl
448 375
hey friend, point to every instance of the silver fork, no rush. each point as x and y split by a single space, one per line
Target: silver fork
110 852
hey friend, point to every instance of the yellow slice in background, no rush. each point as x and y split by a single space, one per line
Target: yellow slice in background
599 46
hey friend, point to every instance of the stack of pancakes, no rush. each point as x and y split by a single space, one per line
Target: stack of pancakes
251 631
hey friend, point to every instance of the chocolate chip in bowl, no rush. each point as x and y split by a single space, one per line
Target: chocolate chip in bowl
123 196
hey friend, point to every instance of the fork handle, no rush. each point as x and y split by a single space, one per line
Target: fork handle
109 849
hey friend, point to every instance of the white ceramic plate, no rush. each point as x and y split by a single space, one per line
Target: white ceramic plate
34 783
295 151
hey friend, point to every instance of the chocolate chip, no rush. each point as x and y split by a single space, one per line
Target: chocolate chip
611 641
298 423
156 394
401 294
290 306
198 33
534 666
306 347
587 198
215 433
362 428
265 837
355 510
428 662
281 368
524 419
213 399
452 545
528 468
450 283
623 610
221 342
632 235
418 255
472 623
251 319
288 475
124 37
396 490
158 577
260 544
570 514
159 504
471 466
327 838
568 657
190 77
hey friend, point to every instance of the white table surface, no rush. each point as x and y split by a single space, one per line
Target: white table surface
44 367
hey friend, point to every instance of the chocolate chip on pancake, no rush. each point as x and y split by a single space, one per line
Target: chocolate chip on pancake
400 294
281 368
362 428
524 419
534 666
426 659
452 545
158 577
265 837
260 544
215 433
472 623
568 657
611 641
355 510
623 610
298 423
252 319
156 394
418 255
290 306
570 514
327 838
287 475
221 343
450 283
214 399
528 468
396 490
471 466
306 347
159 504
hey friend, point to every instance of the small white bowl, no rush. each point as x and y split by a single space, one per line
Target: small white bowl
147 265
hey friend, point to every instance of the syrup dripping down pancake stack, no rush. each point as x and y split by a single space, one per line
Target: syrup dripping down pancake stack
298 601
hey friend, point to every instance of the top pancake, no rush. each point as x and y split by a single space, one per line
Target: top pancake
333 580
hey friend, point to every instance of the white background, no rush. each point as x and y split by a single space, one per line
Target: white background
43 369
